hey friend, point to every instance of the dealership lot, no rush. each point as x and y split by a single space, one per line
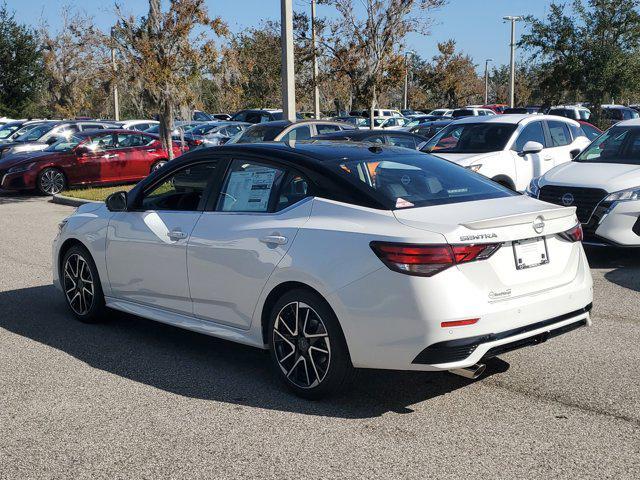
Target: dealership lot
136 399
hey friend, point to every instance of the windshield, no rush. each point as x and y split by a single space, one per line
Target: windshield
8 129
65 145
204 129
258 133
376 122
616 145
471 138
34 133
406 181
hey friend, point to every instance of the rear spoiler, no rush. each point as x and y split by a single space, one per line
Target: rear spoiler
521 218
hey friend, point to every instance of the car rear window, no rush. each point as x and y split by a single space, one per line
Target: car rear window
260 133
416 181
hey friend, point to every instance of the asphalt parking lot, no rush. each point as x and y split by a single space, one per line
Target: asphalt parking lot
136 399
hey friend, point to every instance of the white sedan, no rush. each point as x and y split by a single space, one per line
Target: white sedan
510 149
603 183
333 257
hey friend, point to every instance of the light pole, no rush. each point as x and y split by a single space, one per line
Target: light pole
406 78
116 100
316 90
486 80
288 78
512 76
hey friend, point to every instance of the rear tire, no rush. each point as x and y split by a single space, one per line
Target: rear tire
81 285
51 181
307 346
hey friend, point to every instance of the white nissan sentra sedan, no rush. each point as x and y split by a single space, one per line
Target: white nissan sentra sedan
603 183
333 256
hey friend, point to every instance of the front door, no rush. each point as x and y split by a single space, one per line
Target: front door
237 245
146 248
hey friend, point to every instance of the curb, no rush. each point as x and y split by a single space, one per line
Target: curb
70 201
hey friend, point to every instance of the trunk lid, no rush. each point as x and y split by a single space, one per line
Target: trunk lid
505 221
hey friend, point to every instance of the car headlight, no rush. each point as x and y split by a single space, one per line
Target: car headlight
627 195
21 168
475 168
534 187
62 224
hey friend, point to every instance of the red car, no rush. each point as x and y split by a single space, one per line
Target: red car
591 131
498 108
86 158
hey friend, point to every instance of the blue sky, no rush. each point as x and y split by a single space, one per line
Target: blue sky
476 25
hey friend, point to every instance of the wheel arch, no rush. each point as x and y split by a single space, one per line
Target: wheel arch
64 248
277 292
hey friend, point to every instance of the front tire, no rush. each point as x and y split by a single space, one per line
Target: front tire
51 181
81 285
308 349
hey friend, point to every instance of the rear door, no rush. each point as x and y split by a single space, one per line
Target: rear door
134 159
245 232
559 144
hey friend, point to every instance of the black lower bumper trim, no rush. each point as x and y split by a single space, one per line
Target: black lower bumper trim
461 348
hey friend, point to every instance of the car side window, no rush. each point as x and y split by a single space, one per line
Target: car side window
327 128
128 140
298 133
294 189
182 190
102 142
531 133
249 187
402 141
559 132
240 117
374 139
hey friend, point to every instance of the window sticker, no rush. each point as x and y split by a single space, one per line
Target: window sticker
249 191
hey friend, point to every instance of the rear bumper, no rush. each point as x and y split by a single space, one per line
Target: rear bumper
468 351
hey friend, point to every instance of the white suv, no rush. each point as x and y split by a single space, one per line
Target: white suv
510 149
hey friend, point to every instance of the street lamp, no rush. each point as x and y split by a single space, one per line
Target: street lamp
486 80
288 79
512 77
406 77
316 90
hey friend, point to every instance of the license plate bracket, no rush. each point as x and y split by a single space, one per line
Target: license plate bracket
530 253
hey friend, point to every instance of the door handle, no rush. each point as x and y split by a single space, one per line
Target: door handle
176 235
115 155
274 240
546 159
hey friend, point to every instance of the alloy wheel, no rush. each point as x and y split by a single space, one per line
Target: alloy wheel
78 284
52 181
301 345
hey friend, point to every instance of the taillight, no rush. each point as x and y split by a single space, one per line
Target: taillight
574 234
427 260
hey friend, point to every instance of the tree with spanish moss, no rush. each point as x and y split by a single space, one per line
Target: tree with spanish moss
166 52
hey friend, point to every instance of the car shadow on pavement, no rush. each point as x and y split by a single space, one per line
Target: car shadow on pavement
7 197
198 366
623 265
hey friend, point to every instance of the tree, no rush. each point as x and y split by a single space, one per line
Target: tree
77 67
377 39
166 52
588 49
21 69
451 78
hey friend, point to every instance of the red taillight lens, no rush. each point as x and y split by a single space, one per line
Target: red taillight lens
574 234
427 260
459 323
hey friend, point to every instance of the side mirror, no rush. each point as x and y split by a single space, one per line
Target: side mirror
574 153
531 147
224 140
82 150
117 202
52 140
